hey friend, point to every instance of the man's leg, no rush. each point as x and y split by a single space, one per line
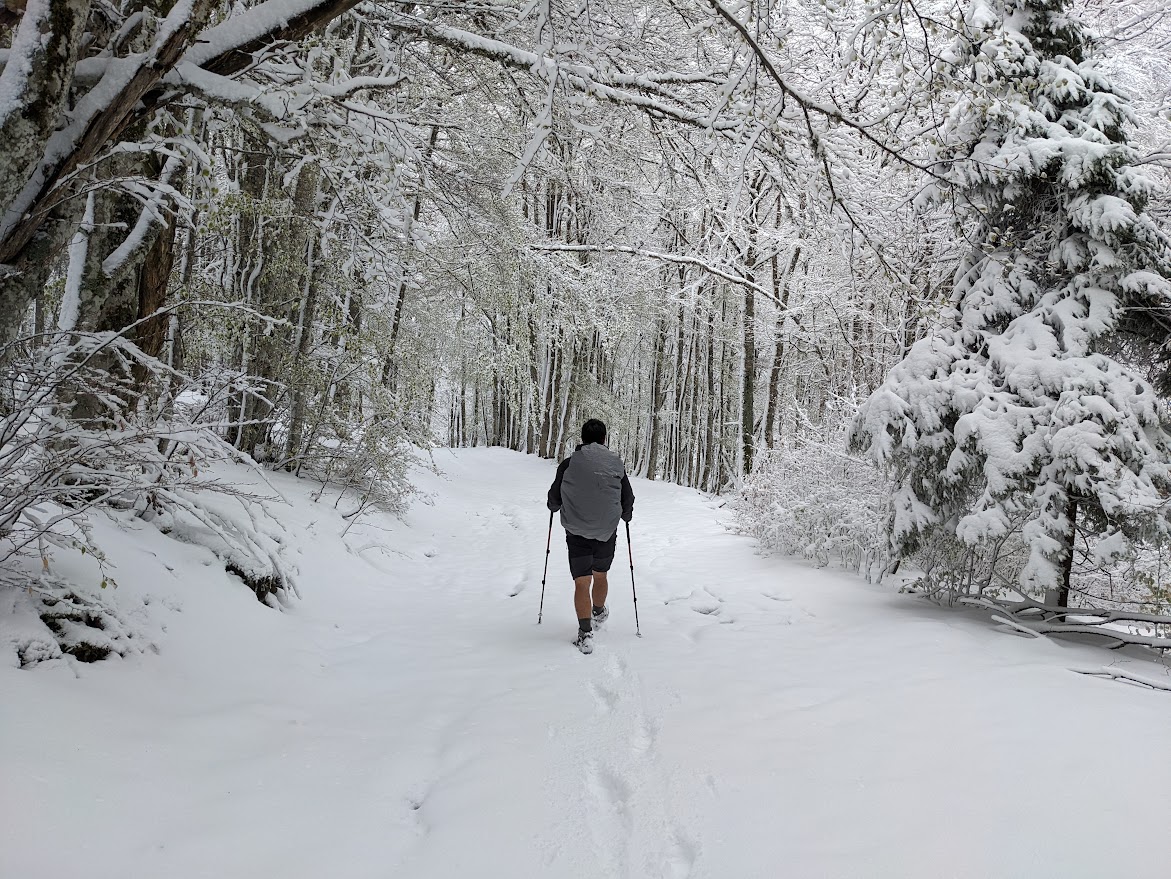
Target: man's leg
601 589
581 559
581 599
603 558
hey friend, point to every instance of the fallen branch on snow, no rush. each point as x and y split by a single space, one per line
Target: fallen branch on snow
1120 675
1012 624
1030 617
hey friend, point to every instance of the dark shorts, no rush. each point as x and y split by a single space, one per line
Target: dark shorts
586 556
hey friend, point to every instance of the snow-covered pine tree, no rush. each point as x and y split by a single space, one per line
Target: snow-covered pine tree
1028 415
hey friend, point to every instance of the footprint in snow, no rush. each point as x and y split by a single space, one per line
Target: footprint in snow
682 855
415 815
610 820
707 608
645 735
605 698
705 602
610 789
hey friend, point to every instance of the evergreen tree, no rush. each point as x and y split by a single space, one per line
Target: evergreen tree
1027 415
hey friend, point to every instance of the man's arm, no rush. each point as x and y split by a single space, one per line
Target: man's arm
554 502
627 499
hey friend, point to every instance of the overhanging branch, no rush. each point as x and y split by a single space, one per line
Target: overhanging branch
724 274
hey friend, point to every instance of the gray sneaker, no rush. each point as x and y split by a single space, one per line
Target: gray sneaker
600 616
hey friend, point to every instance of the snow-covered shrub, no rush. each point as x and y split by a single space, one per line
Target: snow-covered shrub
366 455
88 423
809 498
46 616
1134 577
234 524
946 568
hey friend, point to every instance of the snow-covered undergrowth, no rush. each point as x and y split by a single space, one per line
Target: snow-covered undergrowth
407 717
97 437
69 600
809 499
63 593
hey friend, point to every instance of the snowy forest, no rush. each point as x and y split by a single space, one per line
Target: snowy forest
303 301
892 275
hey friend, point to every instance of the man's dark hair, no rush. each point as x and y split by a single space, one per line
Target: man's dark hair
593 431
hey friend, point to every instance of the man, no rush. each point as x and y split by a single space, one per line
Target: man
592 492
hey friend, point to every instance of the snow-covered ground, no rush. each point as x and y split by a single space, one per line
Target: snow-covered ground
409 719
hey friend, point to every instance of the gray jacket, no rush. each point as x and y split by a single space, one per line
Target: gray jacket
592 492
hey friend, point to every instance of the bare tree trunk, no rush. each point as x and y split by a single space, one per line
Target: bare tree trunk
710 436
476 412
153 281
748 400
658 397
774 380
685 406
695 445
552 394
748 362
569 403
533 410
255 277
304 203
728 402
678 381
401 292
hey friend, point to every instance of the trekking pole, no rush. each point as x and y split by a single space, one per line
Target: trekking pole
548 543
630 553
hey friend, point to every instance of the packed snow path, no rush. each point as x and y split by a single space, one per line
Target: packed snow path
409 719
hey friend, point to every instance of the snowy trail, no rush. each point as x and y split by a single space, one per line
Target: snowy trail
408 718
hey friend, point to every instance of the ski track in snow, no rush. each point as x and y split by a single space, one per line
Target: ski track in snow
408 718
